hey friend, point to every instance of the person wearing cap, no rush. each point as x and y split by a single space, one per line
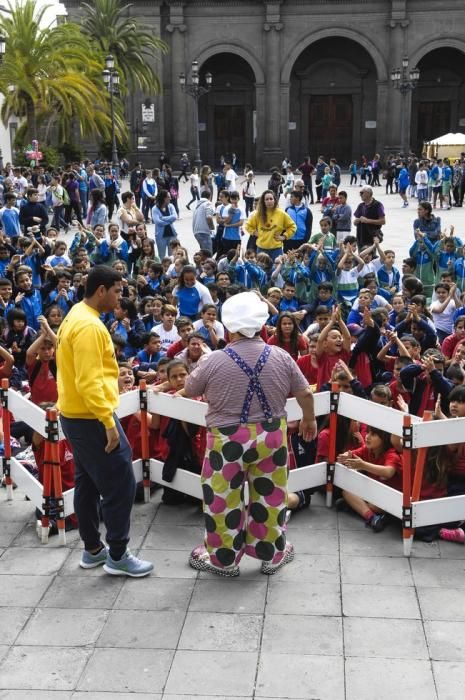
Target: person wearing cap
246 386
368 218
184 163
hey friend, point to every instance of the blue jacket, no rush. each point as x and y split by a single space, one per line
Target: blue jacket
160 220
31 304
383 278
303 218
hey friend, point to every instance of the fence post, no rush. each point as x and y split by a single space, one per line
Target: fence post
46 494
420 464
144 439
57 487
331 463
406 485
6 440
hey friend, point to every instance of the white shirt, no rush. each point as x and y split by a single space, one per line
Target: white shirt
230 178
421 177
443 321
167 337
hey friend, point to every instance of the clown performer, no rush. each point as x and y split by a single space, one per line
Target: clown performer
246 386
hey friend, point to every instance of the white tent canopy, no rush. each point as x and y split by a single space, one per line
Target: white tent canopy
450 139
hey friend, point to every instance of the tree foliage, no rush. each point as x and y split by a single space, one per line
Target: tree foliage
110 26
50 75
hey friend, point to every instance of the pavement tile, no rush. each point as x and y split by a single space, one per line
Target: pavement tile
12 620
446 639
169 564
28 538
225 596
379 601
299 676
152 593
292 598
450 679
386 679
40 561
309 634
63 627
225 631
376 637
441 603
183 537
201 671
8 532
18 510
142 629
170 696
42 668
116 696
451 550
38 695
23 591
320 518
313 568
387 571
186 514
92 592
308 541
126 671
439 572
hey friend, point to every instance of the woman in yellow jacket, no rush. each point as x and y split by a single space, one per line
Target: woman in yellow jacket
270 225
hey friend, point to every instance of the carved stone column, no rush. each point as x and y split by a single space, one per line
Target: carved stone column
179 110
272 152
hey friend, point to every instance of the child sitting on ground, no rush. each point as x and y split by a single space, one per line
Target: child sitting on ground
381 462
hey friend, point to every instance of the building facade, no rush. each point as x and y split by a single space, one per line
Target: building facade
299 77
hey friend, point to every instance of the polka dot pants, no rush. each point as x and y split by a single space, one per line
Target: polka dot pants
257 453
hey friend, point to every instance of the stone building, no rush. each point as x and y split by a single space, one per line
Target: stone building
297 77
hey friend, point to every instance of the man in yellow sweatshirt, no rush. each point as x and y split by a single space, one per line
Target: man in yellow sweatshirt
87 381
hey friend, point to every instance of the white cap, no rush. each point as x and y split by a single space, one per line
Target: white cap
244 313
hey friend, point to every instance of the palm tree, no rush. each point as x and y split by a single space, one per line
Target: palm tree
50 73
111 28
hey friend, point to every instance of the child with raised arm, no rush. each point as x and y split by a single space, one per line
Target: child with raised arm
41 366
333 344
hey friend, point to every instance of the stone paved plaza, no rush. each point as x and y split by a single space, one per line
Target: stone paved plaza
349 619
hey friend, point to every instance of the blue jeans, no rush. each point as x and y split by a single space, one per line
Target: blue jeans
272 252
58 218
84 202
98 474
205 241
162 244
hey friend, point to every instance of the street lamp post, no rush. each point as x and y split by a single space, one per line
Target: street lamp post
195 90
111 79
405 81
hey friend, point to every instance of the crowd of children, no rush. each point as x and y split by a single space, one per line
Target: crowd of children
345 313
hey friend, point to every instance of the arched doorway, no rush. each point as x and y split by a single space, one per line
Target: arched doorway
333 101
226 114
438 103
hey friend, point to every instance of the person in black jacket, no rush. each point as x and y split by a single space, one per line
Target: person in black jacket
33 213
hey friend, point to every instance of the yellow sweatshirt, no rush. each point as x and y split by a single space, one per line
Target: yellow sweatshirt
277 222
87 374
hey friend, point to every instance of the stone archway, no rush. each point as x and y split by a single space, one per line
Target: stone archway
333 32
438 103
333 100
226 113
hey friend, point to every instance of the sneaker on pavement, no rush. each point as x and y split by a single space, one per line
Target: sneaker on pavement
90 561
270 569
379 521
128 565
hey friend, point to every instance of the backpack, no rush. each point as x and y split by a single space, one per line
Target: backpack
52 365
